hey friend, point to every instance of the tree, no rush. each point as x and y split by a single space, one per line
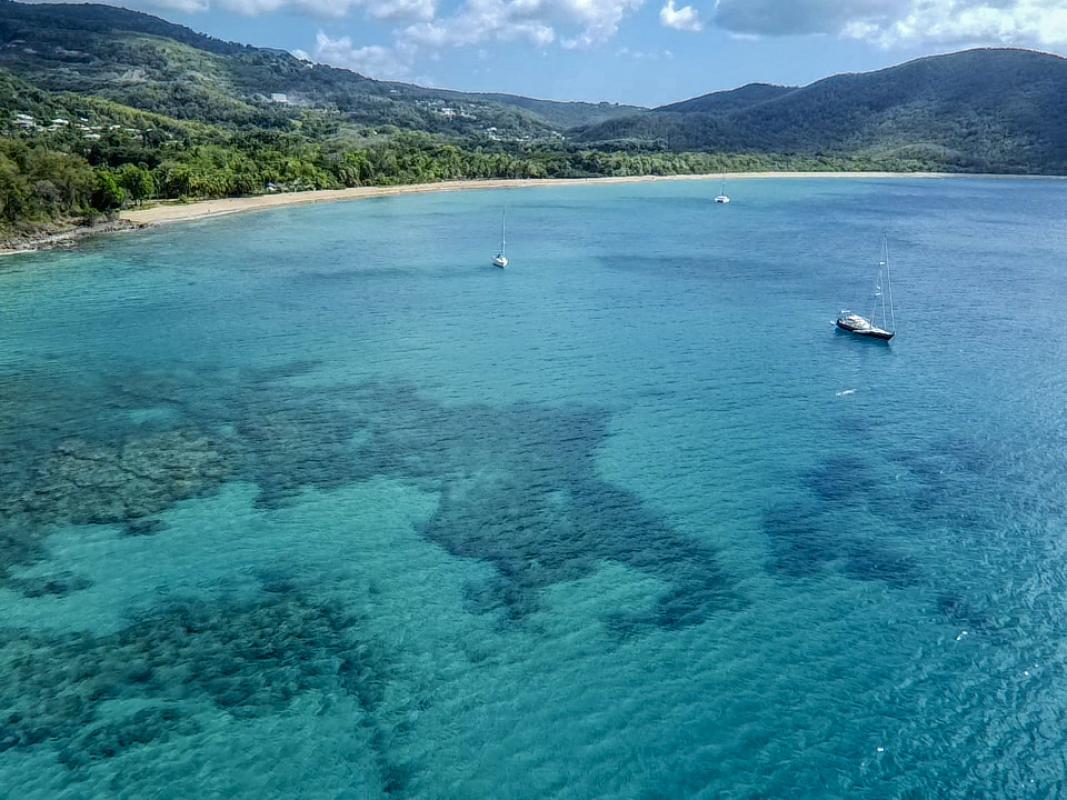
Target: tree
109 195
137 182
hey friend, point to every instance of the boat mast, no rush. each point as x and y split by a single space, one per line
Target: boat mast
877 293
881 292
504 232
889 285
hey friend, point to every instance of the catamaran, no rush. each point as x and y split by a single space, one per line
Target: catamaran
865 326
723 198
501 259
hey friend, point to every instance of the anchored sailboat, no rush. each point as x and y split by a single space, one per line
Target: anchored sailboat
866 326
501 259
723 198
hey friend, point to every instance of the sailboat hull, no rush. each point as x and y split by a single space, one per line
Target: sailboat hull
870 333
864 326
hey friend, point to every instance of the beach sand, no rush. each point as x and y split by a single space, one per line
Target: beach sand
203 209
167 212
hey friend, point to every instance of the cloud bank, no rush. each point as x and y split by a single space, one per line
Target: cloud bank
424 28
890 23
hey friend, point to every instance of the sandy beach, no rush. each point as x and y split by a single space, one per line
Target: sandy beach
204 209
167 212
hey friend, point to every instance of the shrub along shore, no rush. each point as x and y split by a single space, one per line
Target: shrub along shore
52 182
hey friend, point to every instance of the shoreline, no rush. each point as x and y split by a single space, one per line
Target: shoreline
173 212
170 212
64 236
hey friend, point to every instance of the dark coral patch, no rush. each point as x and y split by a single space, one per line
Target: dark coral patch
145 527
110 739
59 584
841 478
520 490
806 540
81 483
801 540
519 484
248 660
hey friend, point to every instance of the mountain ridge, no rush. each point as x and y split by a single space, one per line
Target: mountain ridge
101 108
109 51
729 99
985 109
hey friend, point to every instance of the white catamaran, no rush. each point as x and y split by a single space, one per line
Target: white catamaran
501 259
865 326
723 198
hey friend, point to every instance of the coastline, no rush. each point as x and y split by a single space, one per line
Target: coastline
169 212
63 236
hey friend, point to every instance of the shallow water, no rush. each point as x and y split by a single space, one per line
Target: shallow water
315 503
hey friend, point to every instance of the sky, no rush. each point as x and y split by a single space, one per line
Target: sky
645 52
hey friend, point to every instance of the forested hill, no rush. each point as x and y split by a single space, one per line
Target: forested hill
142 61
26 22
978 110
101 108
733 100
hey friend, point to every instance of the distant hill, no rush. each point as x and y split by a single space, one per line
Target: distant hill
148 63
562 114
101 108
747 96
978 110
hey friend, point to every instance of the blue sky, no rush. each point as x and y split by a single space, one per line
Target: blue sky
636 51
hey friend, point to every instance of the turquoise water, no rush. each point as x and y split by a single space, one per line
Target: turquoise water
315 503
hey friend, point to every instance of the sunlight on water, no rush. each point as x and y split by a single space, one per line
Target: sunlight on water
315 502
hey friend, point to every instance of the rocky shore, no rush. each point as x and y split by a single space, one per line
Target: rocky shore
61 235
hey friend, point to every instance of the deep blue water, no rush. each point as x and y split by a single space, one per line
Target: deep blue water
315 503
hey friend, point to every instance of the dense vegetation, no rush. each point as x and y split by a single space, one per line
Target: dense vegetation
59 174
147 63
101 108
979 110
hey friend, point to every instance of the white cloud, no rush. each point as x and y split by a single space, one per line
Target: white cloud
573 23
685 18
644 55
374 61
955 22
570 23
902 22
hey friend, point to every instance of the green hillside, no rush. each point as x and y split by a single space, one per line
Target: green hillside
979 110
101 108
67 157
733 100
144 62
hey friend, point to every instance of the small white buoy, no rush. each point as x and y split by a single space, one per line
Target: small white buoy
880 749
1026 672
962 634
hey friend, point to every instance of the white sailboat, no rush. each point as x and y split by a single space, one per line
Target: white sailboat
501 259
723 198
866 326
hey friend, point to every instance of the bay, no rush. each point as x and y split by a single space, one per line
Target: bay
314 502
